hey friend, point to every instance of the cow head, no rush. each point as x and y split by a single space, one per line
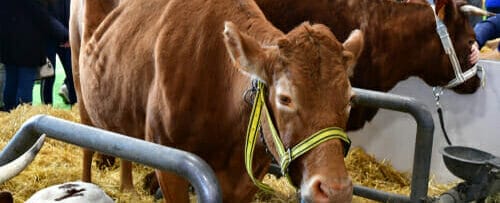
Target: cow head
307 77
454 13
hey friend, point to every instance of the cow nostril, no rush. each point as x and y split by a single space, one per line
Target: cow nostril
319 191
331 191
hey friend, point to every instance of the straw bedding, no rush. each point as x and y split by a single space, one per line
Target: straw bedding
59 162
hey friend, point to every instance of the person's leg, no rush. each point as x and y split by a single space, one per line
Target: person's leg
2 83
46 88
47 84
10 89
26 81
65 57
487 30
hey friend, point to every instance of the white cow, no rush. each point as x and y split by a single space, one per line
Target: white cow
74 192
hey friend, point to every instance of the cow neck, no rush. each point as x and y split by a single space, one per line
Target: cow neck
254 23
264 32
404 30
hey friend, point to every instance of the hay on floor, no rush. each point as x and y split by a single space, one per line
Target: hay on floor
59 162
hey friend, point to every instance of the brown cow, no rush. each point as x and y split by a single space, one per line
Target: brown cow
400 40
160 69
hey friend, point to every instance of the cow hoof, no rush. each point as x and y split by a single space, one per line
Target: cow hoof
104 161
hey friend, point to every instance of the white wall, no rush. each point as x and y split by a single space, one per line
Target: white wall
471 120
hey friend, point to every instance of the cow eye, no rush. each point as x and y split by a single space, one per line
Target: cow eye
285 100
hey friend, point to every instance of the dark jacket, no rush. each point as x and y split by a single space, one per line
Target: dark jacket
26 26
60 10
491 4
487 30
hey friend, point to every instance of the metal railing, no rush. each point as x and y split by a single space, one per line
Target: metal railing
423 144
184 164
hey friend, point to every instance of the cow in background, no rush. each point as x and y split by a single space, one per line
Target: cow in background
161 70
70 192
400 40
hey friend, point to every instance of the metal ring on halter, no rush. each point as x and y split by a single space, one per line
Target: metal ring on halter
437 91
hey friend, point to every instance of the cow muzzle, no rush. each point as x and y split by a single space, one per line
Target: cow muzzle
14 167
461 77
321 189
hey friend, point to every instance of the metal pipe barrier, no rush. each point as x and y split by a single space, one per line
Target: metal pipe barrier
184 164
423 143
379 196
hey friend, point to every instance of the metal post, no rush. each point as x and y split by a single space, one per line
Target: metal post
423 140
182 163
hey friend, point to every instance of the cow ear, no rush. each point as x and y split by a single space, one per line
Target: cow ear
441 8
245 52
353 47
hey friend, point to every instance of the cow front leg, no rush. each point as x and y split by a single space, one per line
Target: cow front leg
87 165
127 184
85 119
174 188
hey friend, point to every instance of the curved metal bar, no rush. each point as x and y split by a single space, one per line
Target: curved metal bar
423 140
379 196
184 164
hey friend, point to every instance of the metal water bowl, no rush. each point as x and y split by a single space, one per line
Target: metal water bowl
469 164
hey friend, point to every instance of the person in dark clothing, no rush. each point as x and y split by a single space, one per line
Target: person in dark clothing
2 67
26 28
2 78
493 6
2 82
59 9
487 30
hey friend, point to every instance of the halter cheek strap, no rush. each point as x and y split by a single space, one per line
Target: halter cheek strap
286 156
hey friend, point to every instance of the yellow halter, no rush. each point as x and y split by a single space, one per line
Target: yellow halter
285 156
